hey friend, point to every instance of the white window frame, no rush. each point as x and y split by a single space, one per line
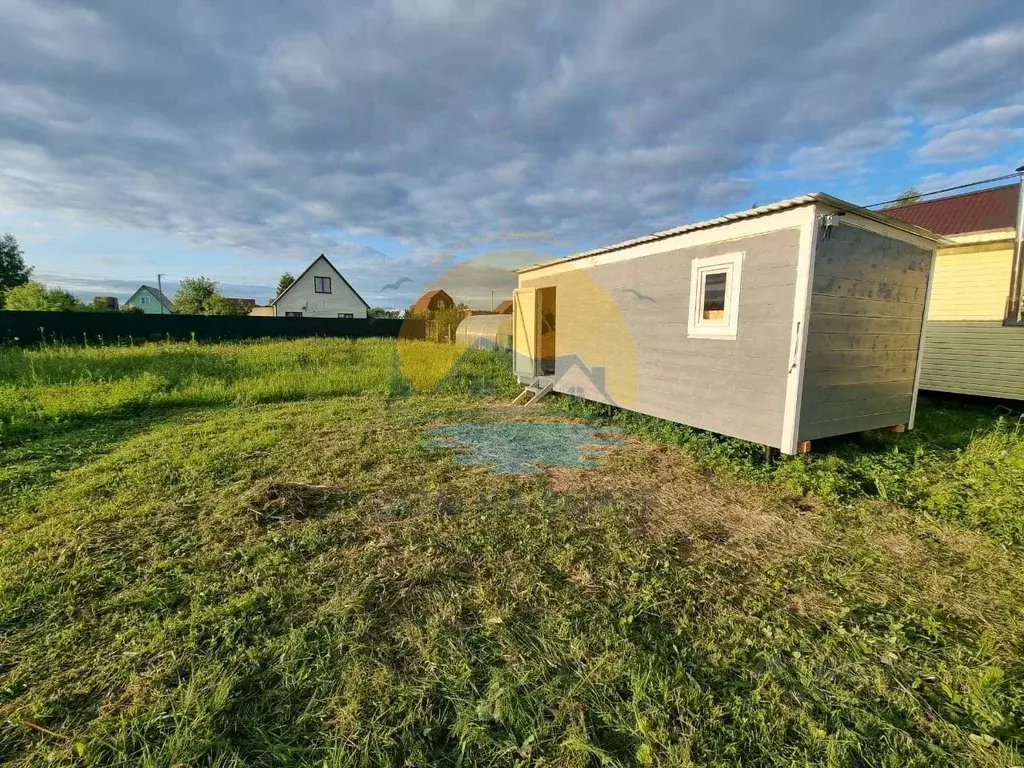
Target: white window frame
732 265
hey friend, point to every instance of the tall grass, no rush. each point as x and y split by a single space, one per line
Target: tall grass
63 383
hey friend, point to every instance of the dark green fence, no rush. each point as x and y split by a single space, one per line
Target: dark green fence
113 327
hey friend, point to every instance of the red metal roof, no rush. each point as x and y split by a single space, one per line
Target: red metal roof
986 209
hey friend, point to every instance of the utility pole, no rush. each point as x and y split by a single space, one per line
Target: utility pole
492 301
160 289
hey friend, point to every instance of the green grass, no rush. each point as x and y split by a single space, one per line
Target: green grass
242 555
963 463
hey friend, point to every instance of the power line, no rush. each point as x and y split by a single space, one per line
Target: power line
949 189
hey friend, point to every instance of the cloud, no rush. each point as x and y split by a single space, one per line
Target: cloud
275 130
849 151
971 72
86 287
974 137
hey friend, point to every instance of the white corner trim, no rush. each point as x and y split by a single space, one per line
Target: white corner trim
798 339
731 264
920 342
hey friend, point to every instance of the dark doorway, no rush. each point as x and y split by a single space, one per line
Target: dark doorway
546 348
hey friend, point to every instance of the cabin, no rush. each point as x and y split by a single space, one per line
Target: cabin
780 325
974 342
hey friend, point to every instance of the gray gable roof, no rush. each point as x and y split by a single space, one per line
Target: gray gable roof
312 264
157 294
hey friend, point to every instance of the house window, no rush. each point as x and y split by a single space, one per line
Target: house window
293 314
440 304
321 285
144 299
715 296
345 314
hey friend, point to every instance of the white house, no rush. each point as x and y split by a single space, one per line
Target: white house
320 291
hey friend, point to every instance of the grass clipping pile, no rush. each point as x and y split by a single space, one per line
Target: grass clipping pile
274 503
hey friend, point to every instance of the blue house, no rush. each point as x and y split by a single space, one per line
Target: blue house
151 301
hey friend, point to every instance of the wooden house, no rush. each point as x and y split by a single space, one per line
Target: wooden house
974 344
432 301
780 324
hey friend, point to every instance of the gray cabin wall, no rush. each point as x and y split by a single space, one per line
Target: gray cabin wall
867 308
622 337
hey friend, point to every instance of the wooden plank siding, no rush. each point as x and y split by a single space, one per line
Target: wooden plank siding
867 306
638 345
974 358
967 349
969 285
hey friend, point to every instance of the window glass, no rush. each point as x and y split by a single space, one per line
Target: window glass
714 295
321 285
345 314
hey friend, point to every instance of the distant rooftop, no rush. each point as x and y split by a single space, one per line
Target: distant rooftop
979 211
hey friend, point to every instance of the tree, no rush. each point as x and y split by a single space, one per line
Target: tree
907 197
36 296
286 280
194 295
131 309
220 305
202 296
13 271
381 312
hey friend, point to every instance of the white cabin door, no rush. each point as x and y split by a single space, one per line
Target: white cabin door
524 331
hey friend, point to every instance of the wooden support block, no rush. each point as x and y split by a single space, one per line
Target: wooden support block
804 446
898 428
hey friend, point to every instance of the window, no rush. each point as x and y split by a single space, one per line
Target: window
345 314
143 299
714 296
293 314
321 285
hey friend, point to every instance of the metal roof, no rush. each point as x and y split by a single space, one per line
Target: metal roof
157 294
752 213
303 274
980 211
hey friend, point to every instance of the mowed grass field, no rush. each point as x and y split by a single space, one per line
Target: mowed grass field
246 555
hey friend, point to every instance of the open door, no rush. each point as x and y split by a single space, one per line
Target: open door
524 331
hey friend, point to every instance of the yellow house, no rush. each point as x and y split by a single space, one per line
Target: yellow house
974 337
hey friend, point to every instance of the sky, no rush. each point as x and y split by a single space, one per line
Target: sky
240 139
